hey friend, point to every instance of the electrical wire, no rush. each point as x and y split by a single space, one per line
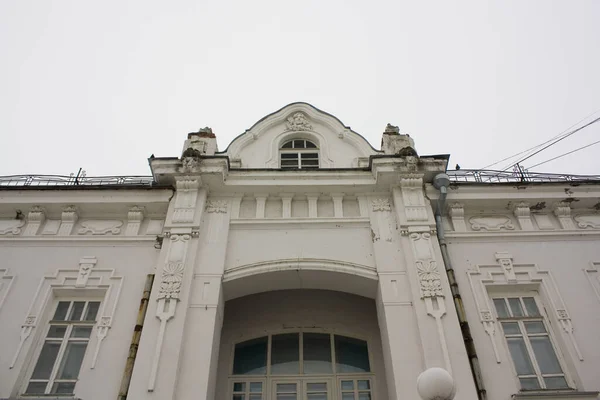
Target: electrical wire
541 144
565 154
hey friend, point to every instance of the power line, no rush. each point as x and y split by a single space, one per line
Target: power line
541 144
565 154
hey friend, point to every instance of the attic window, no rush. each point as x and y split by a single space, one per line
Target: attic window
299 154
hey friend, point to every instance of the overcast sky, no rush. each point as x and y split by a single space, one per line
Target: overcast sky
104 84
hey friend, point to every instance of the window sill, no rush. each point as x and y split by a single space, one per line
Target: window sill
555 395
45 397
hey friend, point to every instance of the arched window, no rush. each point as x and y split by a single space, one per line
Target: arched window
301 366
299 154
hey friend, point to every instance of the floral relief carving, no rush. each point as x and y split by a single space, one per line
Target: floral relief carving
491 223
588 221
298 122
216 206
101 227
11 226
170 285
429 279
381 205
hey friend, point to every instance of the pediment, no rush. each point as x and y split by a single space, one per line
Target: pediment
339 146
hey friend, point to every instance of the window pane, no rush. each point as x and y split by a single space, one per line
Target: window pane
92 311
511 328
285 354
288 145
251 357
317 353
364 396
81 332
76 310
529 383
46 360
317 396
520 357
239 387
556 382
316 387
347 396
63 387
286 397
255 387
71 360
36 387
298 144
364 385
57 331
347 385
61 310
501 308
535 327
238 397
515 306
545 356
289 156
256 397
531 307
309 156
351 355
310 145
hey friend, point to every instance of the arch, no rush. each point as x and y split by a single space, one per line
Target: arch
318 139
304 273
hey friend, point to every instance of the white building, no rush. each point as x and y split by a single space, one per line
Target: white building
299 263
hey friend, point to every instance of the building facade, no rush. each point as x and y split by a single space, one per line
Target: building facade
299 263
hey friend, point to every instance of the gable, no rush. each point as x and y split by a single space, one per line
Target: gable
339 146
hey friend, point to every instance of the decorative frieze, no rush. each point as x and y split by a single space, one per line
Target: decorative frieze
135 216
68 218
100 227
588 221
11 226
523 214
35 219
491 223
562 211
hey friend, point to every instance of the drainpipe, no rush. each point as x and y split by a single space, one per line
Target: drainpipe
441 182
135 340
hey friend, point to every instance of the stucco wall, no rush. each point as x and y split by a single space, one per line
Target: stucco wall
294 310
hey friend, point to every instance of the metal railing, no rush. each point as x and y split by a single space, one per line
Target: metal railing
73 180
516 176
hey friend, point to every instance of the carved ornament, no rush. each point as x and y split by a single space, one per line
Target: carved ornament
381 205
588 221
11 226
429 279
298 122
491 223
101 227
216 206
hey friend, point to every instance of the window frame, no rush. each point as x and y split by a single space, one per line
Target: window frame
64 342
525 335
299 151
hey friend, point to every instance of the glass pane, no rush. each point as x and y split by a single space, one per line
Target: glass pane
316 387
239 387
531 307
515 306
364 385
56 331
71 360
92 311
46 360
285 354
545 356
289 156
520 357
61 310
286 388
289 396
251 357
317 353
347 385
81 332
288 145
310 145
63 387
511 328
556 382
309 156
256 397
351 355
239 397
36 387
347 396
316 396
364 396
501 308
529 383
298 144
76 310
535 327
255 387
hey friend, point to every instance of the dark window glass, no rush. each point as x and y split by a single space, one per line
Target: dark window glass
310 145
77 310
61 310
92 310
250 357
285 354
288 145
352 355
317 353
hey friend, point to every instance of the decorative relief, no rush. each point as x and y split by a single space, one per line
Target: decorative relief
429 279
588 221
190 160
83 278
381 205
51 227
505 272
68 218
185 199
562 211
11 226
523 214
491 223
216 206
135 216
457 214
35 218
170 284
298 122
100 227
415 207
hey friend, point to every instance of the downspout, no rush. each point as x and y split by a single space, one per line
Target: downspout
135 340
441 182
